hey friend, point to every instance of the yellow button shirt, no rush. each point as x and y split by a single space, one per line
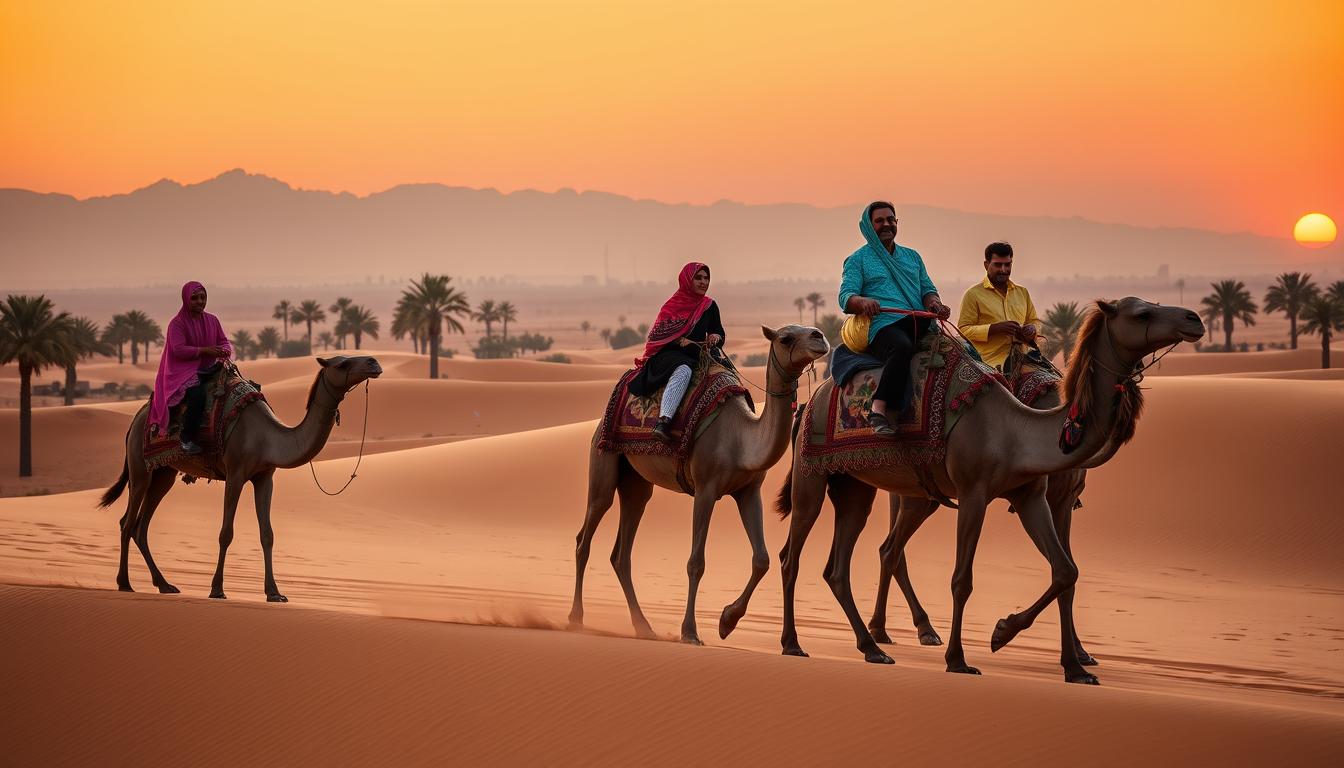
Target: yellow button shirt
982 306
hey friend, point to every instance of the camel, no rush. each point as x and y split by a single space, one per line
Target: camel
729 459
1000 449
1062 492
258 445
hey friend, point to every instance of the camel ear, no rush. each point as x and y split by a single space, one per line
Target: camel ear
1108 308
767 333
322 361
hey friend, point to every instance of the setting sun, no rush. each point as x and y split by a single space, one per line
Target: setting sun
1315 230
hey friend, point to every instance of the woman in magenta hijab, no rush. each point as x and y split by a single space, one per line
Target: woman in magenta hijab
194 350
669 354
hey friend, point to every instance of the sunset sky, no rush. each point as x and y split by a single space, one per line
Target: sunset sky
1161 113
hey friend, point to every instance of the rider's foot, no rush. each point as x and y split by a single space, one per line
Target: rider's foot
880 425
190 448
662 429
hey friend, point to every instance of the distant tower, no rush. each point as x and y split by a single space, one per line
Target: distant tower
606 265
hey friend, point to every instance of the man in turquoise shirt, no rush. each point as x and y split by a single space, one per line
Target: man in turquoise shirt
883 274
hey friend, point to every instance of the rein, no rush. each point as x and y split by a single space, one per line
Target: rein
771 363
339 398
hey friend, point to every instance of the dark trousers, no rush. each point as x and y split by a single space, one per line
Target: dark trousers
896 345
194 397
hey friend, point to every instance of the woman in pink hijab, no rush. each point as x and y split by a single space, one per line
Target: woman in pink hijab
194 350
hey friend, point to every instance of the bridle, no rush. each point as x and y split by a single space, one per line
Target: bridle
339 397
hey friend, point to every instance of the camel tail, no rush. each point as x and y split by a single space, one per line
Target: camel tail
784 502
114 493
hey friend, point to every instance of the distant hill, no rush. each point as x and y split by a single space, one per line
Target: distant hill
240 228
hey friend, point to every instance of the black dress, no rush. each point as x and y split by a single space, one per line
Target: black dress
659 368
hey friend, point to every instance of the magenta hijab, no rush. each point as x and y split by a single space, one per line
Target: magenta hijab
181 357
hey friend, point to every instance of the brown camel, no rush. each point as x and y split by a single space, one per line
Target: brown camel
1062 492
258 445
1000 449
729 459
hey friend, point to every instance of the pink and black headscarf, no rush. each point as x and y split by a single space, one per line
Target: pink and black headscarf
678 315
182 357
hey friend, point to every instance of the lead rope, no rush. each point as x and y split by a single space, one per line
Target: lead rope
359 460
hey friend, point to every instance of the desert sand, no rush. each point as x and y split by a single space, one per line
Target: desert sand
428 602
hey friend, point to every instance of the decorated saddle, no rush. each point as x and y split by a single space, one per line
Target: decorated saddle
227 393
945 380
627 423
1029 374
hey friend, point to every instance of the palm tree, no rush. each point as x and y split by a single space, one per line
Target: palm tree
1289 294
800 302
268 340
326 340
337 310
507 312
1180 291
281 313
1324 315
136 324
815 300
605 335
1231 301
35 336
487 312
585 326
408 320
309 311
1336 291
83 341
150 333
243 344
360 320
1060 329
439 303
830 326
118 332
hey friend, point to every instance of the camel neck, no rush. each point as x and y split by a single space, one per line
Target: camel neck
303 442
770 431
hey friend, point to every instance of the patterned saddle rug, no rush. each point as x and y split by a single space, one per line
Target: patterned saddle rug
226 395
945 381
1029 374
627 423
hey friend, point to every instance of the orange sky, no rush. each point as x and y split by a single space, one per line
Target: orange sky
1161 113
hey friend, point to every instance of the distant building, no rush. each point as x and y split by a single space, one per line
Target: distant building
1163 272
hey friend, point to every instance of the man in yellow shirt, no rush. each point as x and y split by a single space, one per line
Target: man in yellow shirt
997 312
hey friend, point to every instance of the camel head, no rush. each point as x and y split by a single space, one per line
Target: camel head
1140 328
795 347
343 374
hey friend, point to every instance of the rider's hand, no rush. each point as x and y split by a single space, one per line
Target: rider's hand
211 352
862 305
1006 328
1027 333
940 309
713 339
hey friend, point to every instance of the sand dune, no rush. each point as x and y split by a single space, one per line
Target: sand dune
241 684
1196 363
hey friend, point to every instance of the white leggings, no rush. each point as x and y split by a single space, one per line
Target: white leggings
675 390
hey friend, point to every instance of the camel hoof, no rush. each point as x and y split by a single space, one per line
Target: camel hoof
1086 659
218 596
929 637
692 640
880 636
795 651
878 657
277 598
728 622
964 669
168 589
124 588
1003 635
1084 679
645 632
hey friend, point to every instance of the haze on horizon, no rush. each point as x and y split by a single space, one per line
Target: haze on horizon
1154 114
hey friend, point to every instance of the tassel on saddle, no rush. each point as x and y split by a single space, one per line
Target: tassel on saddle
1071 434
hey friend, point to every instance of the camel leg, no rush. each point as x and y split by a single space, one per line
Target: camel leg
1034 512
750 508
635 493
233 489
695 564
970 521
262 485
853 501
604 470
1062 493
137 486
877 625
160 483
808 494
917 510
